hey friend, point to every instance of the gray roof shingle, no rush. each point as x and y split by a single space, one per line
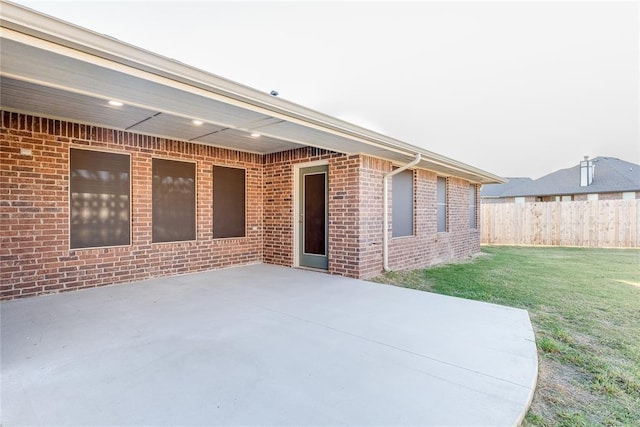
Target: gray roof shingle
496 190
610 175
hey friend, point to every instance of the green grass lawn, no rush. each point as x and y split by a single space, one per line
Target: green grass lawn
584 305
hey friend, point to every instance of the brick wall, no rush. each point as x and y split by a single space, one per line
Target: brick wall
344 216
355 216
35 256
372 172
427 246
604 196
610 196
279 200
343 208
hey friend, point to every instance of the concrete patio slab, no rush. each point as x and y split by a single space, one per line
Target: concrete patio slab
263 345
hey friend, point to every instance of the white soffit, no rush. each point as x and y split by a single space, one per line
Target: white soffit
243 141
313 137
78 91
51 102
35 65
55 69
172 127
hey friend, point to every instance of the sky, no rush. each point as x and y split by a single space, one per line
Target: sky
514 88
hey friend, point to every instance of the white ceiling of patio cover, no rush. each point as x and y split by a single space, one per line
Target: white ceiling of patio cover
56 70
79 91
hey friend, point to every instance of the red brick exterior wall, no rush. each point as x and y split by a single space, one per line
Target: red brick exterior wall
279 200
279 170
35 256
355 216
345 216
372 173
428 246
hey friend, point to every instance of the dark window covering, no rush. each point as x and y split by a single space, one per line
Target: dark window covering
174 200
442 203
229 189
402 207
100 199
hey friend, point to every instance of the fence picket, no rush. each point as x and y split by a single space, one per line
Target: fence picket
602 223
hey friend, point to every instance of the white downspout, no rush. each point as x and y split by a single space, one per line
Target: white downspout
385 209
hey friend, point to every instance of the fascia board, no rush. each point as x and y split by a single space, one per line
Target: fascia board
124 57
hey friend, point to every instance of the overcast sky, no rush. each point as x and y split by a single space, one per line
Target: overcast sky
515 88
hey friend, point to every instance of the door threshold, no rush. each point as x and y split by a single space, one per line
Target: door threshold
317 270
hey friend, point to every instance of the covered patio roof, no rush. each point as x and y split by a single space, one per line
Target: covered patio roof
54 69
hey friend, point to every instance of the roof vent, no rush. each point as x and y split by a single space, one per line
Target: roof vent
586 172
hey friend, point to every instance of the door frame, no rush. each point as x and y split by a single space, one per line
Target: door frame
296 207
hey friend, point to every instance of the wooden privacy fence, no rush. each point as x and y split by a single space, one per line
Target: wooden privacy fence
602 223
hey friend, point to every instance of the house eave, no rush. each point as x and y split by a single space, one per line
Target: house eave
77 42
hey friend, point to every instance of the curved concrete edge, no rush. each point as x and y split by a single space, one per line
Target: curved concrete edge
534 382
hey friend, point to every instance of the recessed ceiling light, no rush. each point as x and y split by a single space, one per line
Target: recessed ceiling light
116 103
255 134
196 122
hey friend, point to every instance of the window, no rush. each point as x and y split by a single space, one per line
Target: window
518 200
592 197
441 199
567 198
174 201
100 199
402 208
472 206
629 195
228 202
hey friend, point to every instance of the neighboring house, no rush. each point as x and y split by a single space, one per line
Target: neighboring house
602 178
118 165
492 193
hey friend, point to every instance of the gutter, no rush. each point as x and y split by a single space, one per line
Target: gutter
31 23
385 210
